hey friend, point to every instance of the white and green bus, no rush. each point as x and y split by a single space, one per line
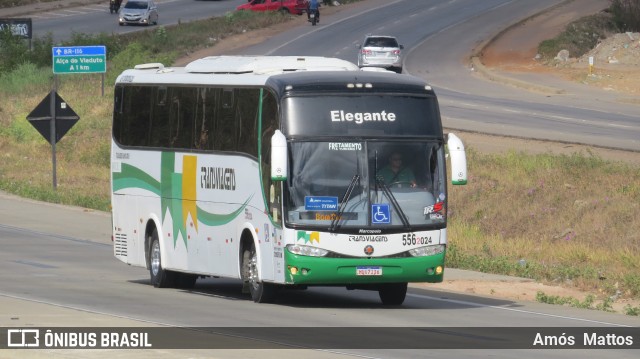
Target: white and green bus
273 170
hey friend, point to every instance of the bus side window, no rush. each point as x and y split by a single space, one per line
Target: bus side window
182 117
202 119
174 120
117 100
209 126
137 106
225 133
247 121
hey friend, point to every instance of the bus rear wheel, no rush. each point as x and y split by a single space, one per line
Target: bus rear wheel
160 278
261 292
392 293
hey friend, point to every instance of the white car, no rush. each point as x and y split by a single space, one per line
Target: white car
380 51
141 12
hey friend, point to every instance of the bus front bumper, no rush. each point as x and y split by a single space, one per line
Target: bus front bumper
305 270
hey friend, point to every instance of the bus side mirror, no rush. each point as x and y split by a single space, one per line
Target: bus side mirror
458 160
278 157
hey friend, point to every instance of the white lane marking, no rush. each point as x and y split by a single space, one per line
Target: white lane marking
510 110
478 305
574 120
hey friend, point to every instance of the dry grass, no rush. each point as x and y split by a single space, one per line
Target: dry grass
82 155
568 219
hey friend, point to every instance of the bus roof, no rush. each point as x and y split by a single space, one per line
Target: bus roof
232 70
267 64
353 81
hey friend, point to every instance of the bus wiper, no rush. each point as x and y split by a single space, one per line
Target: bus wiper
343 204
394 202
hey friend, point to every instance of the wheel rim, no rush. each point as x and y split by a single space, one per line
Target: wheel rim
155 258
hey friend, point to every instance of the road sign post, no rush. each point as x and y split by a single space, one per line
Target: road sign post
53 117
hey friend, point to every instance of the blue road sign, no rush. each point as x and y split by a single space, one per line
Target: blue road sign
79 59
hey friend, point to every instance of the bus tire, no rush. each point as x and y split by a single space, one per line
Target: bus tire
261 292
392 293
160 278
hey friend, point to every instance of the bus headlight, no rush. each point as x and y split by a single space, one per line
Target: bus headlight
307 250
427 251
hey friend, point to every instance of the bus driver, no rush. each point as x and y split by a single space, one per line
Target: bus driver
395 174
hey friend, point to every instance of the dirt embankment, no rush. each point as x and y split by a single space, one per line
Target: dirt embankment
615 64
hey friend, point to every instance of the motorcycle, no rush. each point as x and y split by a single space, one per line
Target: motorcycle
114 6
314 16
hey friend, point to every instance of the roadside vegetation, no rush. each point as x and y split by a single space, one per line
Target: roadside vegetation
589 302
571 220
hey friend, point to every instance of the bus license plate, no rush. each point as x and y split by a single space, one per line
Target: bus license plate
368 271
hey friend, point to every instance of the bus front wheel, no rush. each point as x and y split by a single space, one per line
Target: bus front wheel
160 278
392 293
261 292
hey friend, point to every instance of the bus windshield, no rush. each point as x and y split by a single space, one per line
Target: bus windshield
389 185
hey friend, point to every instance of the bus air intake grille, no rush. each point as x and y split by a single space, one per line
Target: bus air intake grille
120 244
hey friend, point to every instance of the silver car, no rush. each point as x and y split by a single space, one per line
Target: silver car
142 12
380 51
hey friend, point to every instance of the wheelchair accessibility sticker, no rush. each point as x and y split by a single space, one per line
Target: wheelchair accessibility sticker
380 214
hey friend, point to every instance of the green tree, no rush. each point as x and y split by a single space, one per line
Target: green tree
13 51
626 14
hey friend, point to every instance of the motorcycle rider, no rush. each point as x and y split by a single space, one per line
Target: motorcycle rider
114 5
315 7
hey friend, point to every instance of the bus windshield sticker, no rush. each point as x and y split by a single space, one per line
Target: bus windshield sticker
337 146
380 214
320 203
436 208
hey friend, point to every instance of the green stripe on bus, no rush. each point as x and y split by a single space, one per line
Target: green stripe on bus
133 177
212 219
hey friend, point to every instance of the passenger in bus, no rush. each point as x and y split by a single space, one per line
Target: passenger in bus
395 174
